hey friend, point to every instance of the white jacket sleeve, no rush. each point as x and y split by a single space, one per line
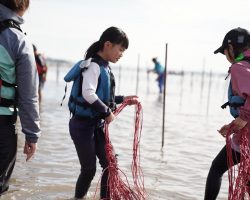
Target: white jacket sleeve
89 87
90 82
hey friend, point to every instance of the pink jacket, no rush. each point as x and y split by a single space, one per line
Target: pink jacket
240 79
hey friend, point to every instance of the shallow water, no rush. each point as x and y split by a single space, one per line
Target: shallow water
176 172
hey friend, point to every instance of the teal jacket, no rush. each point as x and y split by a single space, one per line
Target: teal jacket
159 69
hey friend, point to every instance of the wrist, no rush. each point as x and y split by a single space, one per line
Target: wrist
107 113
239 123
31 139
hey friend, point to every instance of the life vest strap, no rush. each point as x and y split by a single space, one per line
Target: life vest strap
6 84
111 105
3 101
234 105
65 91
7 102
85 118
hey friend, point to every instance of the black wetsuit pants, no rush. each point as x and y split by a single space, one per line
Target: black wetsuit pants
218 168
89 140
8 148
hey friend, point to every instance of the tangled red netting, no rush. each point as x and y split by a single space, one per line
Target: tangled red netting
119 187
239 175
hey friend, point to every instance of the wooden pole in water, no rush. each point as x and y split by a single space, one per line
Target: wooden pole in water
164 97
137 76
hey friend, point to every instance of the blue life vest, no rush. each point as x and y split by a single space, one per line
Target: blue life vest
234 102
78 106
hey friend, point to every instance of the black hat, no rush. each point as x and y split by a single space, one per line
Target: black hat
238 37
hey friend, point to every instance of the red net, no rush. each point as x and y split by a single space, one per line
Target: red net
239 175
118 185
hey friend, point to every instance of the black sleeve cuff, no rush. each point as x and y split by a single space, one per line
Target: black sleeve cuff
119 99
101 108
31 139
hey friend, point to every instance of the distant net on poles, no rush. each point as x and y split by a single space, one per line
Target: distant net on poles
118 185
239 175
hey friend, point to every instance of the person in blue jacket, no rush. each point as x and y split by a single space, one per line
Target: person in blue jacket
18 88
94 105
160 71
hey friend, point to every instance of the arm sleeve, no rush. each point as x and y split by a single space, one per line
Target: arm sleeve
89 86
240 77
27 87
90 82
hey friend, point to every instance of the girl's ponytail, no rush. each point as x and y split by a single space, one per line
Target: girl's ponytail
111 34
92 50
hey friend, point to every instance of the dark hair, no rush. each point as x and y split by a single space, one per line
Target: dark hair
16 5
154 60
113 35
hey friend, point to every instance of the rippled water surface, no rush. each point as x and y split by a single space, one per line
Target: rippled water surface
176 172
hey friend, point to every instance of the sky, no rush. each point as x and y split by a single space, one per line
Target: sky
192 29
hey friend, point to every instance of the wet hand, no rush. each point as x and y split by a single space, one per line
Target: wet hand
131 100
224 129
110 118
29 149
